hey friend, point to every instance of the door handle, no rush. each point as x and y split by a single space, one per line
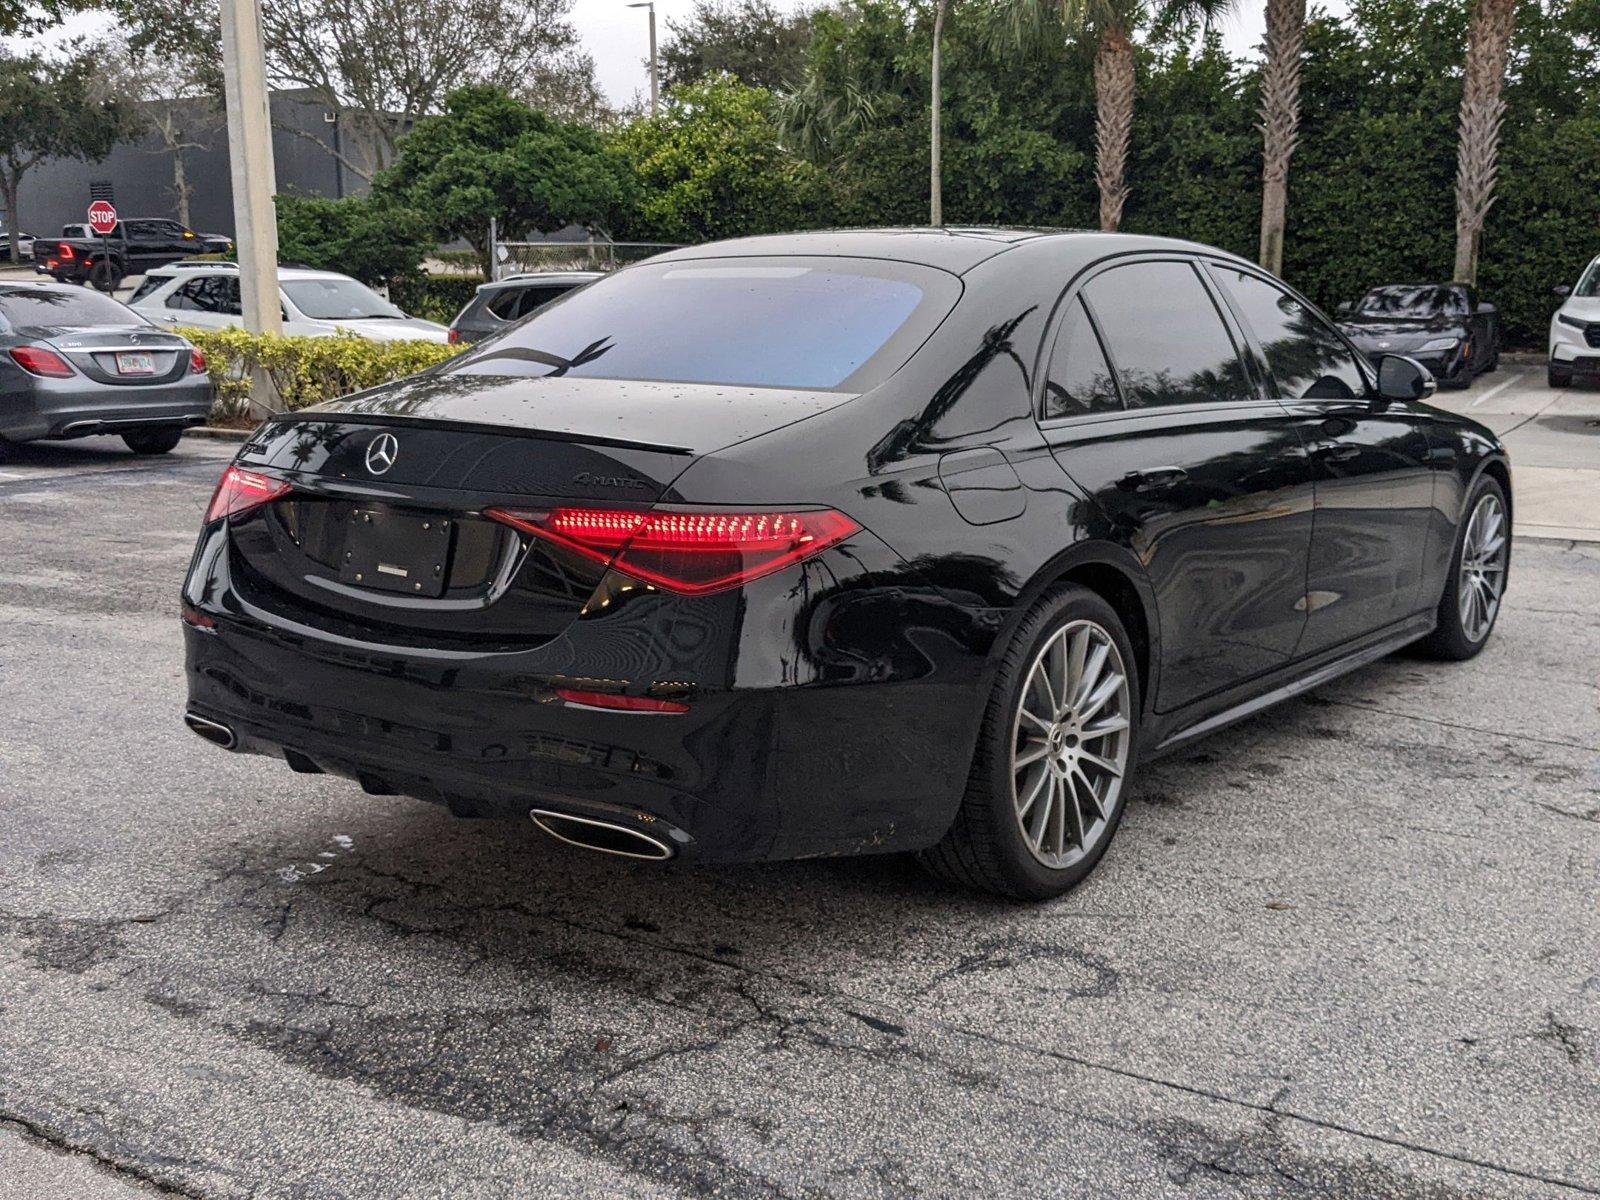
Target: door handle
1153 479
1341 452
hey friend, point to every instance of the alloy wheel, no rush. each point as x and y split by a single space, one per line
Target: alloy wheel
1070 744
1483 567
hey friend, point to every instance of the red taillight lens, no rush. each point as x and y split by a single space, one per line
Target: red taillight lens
197 361
36 360
688 552
621 703
66 252
242 490
453 336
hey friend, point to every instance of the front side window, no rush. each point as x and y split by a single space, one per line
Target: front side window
1305 356
1165 337
1589 285
801 322
1079 379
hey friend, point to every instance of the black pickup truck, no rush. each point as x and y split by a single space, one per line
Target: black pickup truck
79 255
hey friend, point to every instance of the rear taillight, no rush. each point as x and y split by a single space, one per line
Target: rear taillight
620 703
453 336
66 253
692 553
197 362
36 360
242 490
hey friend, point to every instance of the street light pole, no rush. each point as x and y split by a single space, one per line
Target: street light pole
655 74
254 178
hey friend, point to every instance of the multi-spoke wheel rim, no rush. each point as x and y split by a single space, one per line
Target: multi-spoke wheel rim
1483 568
1069 744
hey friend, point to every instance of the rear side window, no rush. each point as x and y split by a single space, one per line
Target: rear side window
1305 356
1165 337
804 323
70 307
1079 380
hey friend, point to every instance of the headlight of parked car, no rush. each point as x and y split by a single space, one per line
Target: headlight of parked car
1573 321
1439 344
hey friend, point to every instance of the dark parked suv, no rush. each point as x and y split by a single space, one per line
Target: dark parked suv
842 543
504 302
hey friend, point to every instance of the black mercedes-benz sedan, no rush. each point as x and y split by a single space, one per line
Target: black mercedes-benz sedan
1444 326
841 543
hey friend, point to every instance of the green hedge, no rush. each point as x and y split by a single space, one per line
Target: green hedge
305 370
436 297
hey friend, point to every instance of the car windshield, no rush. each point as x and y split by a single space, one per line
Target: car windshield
803 323
1589 285
338 300
1407 301
67 307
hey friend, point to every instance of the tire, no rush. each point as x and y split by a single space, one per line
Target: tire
152 441
7 450
1461 635
987 846
1459 379
1557 377
104 275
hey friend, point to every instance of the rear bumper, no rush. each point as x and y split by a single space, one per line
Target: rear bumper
67 408
857 742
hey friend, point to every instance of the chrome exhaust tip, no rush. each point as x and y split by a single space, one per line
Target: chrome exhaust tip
603 837
214 732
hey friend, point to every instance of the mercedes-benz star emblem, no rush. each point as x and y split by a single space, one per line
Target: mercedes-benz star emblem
381 453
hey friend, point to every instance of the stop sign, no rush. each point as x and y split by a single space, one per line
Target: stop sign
102 217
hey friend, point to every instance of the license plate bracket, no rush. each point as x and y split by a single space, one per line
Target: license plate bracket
136 363
393 551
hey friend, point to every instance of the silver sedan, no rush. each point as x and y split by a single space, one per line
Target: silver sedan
74 362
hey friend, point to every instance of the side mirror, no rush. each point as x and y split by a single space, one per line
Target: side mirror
1402 378
1563 290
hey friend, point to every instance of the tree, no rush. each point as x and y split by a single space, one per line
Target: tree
711 166
165 97
374 240
490 156
51 109
1109 26
749 39
379 66
1482 111
1280 120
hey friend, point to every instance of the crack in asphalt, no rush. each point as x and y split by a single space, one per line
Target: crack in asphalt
121 1168
1514 737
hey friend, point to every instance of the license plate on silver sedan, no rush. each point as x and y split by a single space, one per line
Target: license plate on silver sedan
136 364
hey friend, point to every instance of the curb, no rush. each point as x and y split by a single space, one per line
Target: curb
220 435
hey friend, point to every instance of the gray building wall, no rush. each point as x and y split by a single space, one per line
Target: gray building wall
56 192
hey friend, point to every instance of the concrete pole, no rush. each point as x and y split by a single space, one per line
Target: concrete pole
254 177
655 70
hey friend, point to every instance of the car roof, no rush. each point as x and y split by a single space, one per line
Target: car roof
533 277
951 248
13 287
181 270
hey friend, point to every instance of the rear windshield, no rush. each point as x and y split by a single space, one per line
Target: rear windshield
69 306
804 323
1414 302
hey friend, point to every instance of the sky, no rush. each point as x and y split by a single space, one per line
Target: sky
619 40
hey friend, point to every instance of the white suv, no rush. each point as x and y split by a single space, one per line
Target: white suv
314 303
1575 329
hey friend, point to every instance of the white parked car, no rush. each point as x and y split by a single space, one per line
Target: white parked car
314 303
1575 329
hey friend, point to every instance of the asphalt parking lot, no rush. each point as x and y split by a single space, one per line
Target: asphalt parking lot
1350 948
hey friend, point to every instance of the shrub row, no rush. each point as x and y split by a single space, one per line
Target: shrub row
435 297
305 370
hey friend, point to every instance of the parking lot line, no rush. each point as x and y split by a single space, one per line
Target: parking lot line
1498 388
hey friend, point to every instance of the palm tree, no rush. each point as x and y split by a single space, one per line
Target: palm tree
1482 110
1280 120
936 119
1109 25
